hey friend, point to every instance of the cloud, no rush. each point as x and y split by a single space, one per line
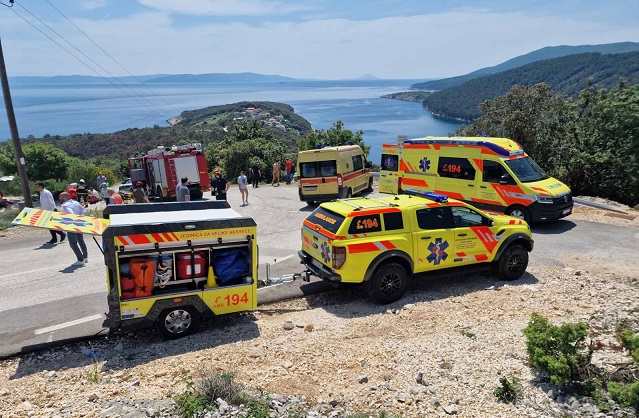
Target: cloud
423 46
93 4
225 7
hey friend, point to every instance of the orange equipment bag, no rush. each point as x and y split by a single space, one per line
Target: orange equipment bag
143 272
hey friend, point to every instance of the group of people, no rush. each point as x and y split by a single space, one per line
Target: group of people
288 168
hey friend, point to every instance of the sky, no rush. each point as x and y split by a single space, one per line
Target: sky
318 39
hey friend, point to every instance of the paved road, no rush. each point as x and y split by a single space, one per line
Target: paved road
44 300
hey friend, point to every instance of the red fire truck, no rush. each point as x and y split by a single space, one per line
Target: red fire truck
161 169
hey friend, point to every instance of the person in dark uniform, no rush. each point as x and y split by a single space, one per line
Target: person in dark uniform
83 193
256 175
219 185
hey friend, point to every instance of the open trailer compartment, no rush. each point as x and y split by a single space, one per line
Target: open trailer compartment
170 264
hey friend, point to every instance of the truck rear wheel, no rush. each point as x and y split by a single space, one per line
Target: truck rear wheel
370 184
389 283
158 191
196 194
176 322
512 263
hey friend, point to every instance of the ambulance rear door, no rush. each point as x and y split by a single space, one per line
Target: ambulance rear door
389 169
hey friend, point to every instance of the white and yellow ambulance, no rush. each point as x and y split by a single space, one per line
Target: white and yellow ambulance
332 173
168 264
489 173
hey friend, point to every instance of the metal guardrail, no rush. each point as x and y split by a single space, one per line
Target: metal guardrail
584 202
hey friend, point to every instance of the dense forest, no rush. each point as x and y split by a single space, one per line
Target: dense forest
548 52
566 75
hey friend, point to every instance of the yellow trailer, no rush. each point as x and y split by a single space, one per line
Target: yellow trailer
168 264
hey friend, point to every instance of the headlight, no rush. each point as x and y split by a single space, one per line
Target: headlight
544 199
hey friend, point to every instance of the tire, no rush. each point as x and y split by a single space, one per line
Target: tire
512 263
176 322
349 193
519 212
158 191
310 202
388 284
370 184
196 194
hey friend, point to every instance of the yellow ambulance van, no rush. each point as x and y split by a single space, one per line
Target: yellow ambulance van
489 173
168 264
332 173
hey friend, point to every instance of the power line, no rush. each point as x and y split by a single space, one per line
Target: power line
108 55
84 63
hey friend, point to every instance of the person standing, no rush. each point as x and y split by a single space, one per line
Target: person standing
139 194
104 190
4 203
76 241
114 198
256 175
58 187
83 193
219 185
47 203
289 170
182 193
242 183
276 173
100 179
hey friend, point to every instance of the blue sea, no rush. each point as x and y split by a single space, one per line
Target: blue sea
62 109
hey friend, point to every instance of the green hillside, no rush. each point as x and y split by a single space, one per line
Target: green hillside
190 128
566 75
548 52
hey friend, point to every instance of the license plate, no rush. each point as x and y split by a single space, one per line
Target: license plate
310 188
566 211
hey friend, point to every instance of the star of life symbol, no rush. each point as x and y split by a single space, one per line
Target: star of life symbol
326 254
70 221
424 164
437 251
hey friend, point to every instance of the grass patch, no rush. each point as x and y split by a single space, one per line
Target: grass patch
470 335
6 217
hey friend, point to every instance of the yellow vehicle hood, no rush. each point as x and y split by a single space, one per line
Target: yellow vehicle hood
61 221
507 220
550 186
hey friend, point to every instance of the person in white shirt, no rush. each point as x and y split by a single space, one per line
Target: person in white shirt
47 203
242 182
76 241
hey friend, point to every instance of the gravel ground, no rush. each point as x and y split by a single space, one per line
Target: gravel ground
439 352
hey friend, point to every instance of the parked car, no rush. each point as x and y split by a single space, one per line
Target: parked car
126 187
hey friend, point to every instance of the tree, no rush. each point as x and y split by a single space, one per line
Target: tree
334 136
43 161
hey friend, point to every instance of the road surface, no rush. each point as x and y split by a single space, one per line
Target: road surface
44 300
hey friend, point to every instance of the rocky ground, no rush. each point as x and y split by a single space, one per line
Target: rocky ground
439 352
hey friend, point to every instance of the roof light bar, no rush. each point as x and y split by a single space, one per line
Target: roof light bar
433 196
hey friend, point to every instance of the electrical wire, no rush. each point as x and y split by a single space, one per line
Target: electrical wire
109 55
84 63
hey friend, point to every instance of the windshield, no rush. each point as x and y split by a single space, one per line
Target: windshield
526 170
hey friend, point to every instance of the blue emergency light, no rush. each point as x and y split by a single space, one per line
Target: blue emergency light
433 196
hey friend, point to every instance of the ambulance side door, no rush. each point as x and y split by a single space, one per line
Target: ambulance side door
474 240
489 184
434 239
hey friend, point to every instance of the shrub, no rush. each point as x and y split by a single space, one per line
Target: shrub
557 350
257 408
219 385
630 341
509 391
7 216
626 395
190 402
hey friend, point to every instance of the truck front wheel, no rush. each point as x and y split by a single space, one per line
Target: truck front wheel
176 322
512 263
519 212
389 283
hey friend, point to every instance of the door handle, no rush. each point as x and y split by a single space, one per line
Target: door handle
483 187
461 235
470 185
426 237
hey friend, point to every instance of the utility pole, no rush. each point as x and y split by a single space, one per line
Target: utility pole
17 146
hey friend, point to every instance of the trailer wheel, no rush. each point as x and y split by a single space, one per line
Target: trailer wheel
176 322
